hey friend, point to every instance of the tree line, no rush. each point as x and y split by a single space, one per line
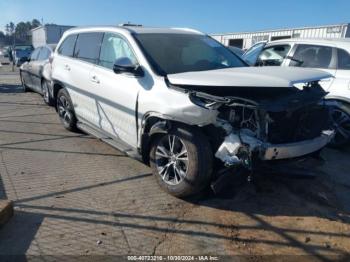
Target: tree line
19 33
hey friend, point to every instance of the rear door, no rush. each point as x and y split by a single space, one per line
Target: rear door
82 88
37 68
27 68
341 84
316 57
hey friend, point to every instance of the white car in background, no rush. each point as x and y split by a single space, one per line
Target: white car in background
330 55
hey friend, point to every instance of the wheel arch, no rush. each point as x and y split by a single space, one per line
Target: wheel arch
340 99
155 124
56 86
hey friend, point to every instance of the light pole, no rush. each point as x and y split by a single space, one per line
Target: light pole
13 51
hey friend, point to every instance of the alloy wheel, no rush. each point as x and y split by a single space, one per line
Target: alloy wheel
171 158
341 124
45 92
64 110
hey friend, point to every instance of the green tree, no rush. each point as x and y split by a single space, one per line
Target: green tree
22 30
12 28
35 23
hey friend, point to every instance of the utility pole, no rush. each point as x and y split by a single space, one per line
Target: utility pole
13 50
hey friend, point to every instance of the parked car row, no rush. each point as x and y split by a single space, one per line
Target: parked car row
181 102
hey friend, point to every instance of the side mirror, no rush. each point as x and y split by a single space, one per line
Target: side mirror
125 65
51 58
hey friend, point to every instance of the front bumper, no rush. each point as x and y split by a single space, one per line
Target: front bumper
293 150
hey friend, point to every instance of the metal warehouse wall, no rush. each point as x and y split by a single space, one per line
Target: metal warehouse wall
54 33
38 36
48 34
247 39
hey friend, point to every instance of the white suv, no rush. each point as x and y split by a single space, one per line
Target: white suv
329 55
182 102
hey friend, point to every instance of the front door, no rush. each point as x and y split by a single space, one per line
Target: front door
116 94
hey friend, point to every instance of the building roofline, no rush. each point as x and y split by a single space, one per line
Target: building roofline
282 29
43 26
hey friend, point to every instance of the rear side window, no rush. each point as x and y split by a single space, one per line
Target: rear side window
67 47
343 59
34 55
88 47
44 53
312 56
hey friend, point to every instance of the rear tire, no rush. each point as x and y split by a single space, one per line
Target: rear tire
181 161
25 88
46 93
65 110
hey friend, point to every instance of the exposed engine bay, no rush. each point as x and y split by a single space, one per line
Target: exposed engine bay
265 124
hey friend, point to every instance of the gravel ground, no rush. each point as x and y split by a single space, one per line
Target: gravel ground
75 195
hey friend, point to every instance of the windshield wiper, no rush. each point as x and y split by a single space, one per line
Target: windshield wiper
295 60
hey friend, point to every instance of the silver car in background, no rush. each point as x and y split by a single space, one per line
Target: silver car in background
35 73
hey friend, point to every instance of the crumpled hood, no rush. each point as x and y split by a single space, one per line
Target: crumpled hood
249 77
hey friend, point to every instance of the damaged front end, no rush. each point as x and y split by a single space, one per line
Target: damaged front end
261 124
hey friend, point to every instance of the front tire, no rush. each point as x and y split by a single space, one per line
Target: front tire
181 161
65 110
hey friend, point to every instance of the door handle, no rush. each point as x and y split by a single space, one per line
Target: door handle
95 79
67 67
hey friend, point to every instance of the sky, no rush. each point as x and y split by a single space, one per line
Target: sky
209 16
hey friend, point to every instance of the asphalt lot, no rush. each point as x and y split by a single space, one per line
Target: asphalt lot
75 195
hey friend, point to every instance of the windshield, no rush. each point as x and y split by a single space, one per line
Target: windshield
178 53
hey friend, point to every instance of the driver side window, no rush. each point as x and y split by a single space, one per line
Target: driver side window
273 55
114 47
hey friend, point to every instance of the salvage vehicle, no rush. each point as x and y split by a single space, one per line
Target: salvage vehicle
35 72
184 104
329 55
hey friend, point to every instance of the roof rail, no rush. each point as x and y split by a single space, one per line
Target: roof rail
187 29
129 24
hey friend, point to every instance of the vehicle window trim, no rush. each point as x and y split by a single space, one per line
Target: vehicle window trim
75 45
58 47
336 57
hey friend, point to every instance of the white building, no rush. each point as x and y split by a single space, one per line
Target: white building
245 40
47 34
